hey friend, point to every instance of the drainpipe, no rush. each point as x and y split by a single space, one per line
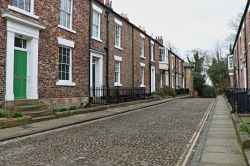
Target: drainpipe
246 53
133 65
238 66
150 67
185 78
175 71
107 53
169 70
90 32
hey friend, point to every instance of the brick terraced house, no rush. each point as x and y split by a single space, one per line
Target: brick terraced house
57 52
238 61
122 55
44 50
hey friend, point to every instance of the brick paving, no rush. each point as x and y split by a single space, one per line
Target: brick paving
152 136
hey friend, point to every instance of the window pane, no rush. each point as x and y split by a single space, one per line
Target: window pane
63 76
21 4
68 20
64 63
96 26
18 42
24 44
116 77
60 67
65 14
67 76
27 5
15 3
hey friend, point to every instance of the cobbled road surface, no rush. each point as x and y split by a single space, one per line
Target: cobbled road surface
152 136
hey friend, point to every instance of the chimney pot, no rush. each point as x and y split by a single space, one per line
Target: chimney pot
159 39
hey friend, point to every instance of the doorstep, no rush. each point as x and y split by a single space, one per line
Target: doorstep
34 128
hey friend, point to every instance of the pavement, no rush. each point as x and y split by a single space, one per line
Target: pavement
25 130
221 146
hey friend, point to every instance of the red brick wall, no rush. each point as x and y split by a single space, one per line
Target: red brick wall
156 63
125 53
2 57
49 15
130 35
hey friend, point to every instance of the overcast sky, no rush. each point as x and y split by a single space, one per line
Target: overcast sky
188 24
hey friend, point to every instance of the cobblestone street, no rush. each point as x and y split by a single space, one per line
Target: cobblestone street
153 136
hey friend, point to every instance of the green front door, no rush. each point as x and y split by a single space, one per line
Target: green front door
20 74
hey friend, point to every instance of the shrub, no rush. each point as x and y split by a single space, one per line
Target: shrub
17 115
167 91
209 92
154 95
244 128
220 91
88 105
73 108
2 114
60 110
162 93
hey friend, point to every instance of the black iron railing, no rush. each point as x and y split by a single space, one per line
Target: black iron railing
239 99
182 91
115 95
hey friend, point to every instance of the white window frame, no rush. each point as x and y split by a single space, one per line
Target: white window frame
172 80
118 24
98 10
142 44
142 65
30 14
67 44
166 78
230 67
180 67
152 48
161 80
165 55
70 29
172 63
119 60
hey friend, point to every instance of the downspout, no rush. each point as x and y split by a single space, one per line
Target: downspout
107 52
150 67
90 33
133 65
246 54
238 66
175 71
185 78
169 70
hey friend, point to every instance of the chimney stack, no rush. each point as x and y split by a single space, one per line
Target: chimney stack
159 39
142 28
102 1
108 3
124 15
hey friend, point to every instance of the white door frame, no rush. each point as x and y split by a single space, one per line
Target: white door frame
100 57
153 89
17 26
245 76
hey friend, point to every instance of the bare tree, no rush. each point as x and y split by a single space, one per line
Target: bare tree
235 22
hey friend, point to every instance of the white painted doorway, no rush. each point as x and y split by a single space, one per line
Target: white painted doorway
153 79
96 74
